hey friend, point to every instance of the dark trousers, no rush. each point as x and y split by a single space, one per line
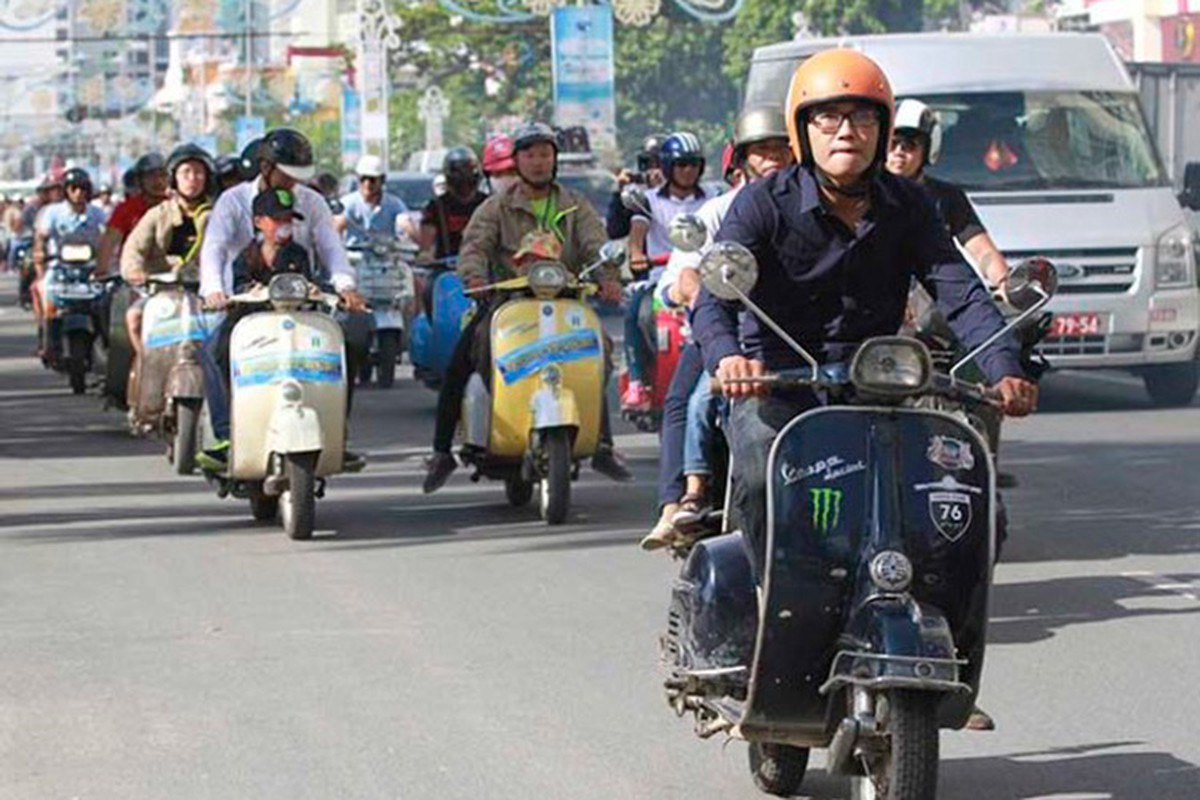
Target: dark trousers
474 352
688 370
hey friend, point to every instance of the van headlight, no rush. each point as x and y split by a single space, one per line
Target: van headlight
287 286
1173 259
547 279
891 365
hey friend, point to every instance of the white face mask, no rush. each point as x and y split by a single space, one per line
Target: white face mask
283 233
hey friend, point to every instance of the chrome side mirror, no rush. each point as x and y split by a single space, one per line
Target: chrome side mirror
1031 282
612 253
687 233
729 270
633 197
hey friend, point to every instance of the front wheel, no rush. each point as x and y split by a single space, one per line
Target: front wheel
389 353
778 769
79 351
556 483
1172 385
906 766
298 504
187 431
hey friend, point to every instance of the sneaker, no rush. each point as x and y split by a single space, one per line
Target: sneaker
663 533
609 463
693 510
637 397
980 720
215 458
438 468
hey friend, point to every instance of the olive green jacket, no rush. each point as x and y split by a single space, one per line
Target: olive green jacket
145 251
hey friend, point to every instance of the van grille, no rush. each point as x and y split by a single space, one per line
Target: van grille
1074 345
1101 271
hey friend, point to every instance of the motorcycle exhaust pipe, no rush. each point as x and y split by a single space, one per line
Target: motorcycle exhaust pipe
841 749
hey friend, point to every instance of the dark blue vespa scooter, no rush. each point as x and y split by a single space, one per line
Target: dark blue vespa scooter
863 632
435 330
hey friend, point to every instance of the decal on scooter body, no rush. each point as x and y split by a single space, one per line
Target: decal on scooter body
822 533
313 366
558 348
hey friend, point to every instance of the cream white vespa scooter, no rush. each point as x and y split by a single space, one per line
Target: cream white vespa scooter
287 402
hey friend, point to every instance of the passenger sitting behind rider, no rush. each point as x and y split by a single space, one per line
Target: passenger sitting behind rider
838 241
497 244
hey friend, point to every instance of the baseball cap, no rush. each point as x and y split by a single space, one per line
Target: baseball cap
276 204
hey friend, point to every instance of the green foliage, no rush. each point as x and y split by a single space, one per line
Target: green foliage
832 17
760 22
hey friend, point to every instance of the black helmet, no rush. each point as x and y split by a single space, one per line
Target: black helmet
77 176
228 165
290 151
527 136
461 166
129 180
648 157
248 160
151 162
191 152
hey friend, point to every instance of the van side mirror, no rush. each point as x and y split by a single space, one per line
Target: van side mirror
1189 198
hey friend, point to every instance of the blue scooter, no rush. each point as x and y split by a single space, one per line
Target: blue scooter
436 328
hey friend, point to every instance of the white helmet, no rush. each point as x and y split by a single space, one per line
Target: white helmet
913 115
369 167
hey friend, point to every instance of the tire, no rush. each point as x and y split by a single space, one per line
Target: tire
518 491
365 370
556 483
298 505
908 767
264 508
187 433
79 350
1172 385
389 352
778 769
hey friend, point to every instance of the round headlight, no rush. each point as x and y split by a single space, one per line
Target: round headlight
891 571
288 286
547 278
891 365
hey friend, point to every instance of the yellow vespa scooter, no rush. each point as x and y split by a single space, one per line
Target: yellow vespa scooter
538 415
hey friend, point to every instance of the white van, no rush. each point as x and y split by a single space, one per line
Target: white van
1046 135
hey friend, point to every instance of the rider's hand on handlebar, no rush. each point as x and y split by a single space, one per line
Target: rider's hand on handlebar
216 301
352 300
610 291
1018 397
475 282
733 368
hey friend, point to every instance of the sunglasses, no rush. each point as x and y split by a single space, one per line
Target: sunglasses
905 145
687 162
829 121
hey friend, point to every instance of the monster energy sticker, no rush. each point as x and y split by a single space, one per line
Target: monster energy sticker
950 513
950 453
826 509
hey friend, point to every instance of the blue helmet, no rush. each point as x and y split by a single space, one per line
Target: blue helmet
680 146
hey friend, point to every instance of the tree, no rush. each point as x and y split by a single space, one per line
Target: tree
831 17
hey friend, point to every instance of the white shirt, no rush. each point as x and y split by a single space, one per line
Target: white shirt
712 214
231 230
664 207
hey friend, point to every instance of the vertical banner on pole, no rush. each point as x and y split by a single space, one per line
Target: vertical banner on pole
582 60
351 126
247 129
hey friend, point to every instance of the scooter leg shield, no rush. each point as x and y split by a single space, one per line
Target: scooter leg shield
714 610
554 409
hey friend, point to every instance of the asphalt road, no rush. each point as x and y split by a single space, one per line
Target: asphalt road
155 643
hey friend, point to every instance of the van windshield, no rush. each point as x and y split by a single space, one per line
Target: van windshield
1001 141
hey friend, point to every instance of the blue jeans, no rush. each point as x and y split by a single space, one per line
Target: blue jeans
637 352
214 363
674 424
701 427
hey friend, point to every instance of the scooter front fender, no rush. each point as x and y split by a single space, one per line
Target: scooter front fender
554 409
186 379
75 321
294 429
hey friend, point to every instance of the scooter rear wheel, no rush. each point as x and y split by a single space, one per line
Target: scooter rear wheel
187 431
389 353
907 768
298 504
79 347
778 769
518 491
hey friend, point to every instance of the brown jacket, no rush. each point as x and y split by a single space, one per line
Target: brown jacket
497 228
145 251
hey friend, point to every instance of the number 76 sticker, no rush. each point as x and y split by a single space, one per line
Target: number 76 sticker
950 512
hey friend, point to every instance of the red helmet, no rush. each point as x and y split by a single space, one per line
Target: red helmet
728 160
498 155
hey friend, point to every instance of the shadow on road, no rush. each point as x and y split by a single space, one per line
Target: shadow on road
1034 611
1082 392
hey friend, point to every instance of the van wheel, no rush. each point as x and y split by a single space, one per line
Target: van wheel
518 491
906 767
298 504
264 507
1172 385
556 483
389 353
187 431
778 769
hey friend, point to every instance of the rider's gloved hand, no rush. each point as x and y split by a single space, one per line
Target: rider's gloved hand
732 368
1018 396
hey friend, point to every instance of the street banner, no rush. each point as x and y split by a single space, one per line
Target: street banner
581 40
351 126
247 129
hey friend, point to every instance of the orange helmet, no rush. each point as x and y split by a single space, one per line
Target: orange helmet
831 76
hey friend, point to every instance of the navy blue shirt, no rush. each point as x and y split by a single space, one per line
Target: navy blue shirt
831 288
